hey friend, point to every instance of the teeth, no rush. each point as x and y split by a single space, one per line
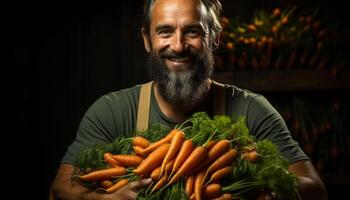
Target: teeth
183 59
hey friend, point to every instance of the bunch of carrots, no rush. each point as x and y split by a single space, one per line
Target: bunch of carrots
178 158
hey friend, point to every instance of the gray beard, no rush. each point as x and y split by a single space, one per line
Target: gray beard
184 87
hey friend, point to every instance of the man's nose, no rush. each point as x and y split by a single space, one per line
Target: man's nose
178 43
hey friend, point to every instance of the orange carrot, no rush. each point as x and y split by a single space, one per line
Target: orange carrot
220 173
215 152
222 161
212 190
251 156
119 184
103 174
193 196
161 182
128 160
108 158
138 149
155 174
175 145
169 166
198 184
196 156
225 196
189 185
140 141
106 183
218 149
211 143
158 143
185 151
153 160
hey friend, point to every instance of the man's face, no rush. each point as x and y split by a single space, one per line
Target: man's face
180 55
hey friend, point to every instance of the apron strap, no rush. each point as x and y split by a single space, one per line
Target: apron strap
219 98
144 107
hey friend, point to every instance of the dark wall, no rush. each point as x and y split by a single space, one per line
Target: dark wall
60 59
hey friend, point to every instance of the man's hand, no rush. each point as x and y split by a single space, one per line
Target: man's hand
63 188
129 192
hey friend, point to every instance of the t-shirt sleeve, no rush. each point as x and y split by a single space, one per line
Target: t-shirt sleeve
96 127
265 122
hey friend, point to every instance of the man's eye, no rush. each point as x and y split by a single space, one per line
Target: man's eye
164 33
193 33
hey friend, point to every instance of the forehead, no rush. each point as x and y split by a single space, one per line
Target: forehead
165 10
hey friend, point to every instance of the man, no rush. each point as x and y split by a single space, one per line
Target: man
180 36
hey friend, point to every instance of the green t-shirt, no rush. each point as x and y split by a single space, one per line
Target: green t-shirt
115 114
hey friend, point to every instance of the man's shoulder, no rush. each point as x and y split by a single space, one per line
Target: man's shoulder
240 100
126 93
122 98
238 92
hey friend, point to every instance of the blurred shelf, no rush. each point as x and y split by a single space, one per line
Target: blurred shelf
285 80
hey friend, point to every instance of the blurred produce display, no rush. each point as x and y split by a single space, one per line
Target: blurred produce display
283 39
322 128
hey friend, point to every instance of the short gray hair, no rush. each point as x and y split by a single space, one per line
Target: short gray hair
213 7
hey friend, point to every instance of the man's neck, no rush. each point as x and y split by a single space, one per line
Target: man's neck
178 113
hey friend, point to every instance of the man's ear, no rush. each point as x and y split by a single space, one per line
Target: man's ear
146 42
216 42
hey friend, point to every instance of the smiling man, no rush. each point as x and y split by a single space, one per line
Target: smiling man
180 37
180 42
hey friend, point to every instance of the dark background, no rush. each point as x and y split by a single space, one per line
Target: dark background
59 58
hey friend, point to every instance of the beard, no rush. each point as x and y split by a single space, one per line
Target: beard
186 86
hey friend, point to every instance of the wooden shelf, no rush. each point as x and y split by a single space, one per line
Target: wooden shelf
286 80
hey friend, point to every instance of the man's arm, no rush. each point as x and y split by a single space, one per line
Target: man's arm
64 189
310 185
266 123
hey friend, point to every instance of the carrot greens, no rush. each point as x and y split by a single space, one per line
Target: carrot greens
202 128
154 132
270 172
93 157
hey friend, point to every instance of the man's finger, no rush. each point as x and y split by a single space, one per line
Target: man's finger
136 185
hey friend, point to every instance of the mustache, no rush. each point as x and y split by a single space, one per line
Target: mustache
173 55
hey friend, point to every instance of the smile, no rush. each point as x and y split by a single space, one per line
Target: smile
179 63
180 59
